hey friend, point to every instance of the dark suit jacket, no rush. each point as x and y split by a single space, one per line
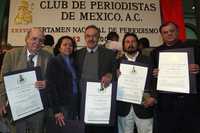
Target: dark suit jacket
106 62
59 82
123 108
172 102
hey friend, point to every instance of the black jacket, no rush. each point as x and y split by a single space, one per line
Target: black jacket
123 108
175 102
59 82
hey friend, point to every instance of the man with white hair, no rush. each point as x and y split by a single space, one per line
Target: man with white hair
19 59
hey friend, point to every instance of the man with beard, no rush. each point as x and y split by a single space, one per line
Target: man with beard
129 113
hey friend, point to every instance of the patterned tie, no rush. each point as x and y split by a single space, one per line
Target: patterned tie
30 62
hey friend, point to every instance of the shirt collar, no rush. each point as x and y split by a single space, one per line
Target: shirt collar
133 58
94 49
28 53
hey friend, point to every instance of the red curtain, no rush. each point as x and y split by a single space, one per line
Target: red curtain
172 10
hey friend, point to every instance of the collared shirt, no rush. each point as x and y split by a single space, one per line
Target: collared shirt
35 58
133 59
94 49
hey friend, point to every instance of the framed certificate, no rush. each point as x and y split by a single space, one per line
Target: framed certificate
98 105
132 82
24 99
174 73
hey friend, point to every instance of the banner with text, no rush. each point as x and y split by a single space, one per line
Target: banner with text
70 17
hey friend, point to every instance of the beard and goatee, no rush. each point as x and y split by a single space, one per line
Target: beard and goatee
131 50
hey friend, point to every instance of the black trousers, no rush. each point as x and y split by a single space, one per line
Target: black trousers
100 129
177 113
170 122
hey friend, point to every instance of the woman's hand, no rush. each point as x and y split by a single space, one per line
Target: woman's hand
59 117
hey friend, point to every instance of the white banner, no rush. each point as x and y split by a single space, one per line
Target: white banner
70 17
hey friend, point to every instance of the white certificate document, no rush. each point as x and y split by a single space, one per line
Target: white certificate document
173 73
97 103
24 99
131 83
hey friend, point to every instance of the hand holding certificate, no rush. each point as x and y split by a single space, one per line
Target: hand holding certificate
24 99
173 72
131 83
97 103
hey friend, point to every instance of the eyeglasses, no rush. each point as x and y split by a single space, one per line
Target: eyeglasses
40 40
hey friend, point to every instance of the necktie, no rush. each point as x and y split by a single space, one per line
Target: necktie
30 62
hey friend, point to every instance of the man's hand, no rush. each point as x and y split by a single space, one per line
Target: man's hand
41 84
60 119
149 102
194 68
118 73
106 80
2 109
155 72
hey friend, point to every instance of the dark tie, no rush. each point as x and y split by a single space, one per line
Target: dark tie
30 62
91 51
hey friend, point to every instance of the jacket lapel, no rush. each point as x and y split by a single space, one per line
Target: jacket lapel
23 58
82 58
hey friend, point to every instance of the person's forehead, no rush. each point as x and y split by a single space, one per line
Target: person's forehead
67 40
36 33
91 30
130 38
169 26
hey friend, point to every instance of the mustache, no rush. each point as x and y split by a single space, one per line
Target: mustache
131 47
91 41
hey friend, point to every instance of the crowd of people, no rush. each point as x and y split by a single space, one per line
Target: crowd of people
64 70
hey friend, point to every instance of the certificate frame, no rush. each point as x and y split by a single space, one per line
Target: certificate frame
37 70
21 80
112 118
144 86
148 79
191 60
